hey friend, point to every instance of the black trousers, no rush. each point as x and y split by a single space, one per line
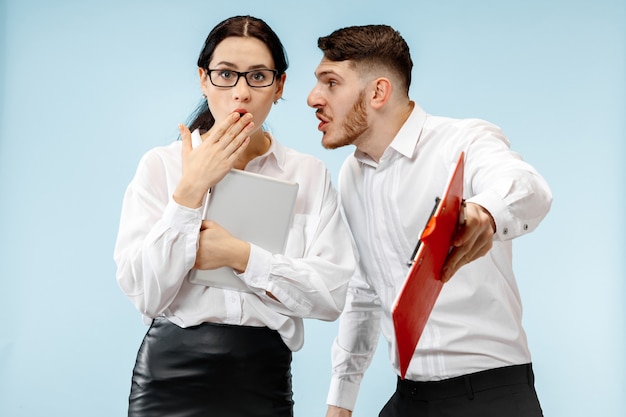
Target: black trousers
211 370
500 392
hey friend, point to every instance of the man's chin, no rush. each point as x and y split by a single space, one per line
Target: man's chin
329 143
331 146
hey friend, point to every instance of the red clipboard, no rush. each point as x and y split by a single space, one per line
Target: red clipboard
423 283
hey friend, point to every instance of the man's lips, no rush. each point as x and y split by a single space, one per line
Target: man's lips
324 121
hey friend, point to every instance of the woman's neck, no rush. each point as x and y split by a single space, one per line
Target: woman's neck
259 144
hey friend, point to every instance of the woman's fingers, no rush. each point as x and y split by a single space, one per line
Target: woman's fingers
231 128
185 136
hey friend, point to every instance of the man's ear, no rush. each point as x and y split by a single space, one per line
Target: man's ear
381 92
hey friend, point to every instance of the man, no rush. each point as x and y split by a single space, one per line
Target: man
472 358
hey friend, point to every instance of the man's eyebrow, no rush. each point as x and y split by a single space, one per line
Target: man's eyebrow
325 74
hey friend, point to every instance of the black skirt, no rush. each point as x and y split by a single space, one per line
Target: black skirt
211 370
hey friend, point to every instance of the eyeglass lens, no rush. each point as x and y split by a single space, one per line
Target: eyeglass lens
229 78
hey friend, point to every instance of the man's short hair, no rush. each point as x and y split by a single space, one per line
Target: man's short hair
368 47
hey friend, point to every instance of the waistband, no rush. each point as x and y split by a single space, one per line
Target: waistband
467 384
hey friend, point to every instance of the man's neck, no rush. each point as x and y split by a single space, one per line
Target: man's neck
384 127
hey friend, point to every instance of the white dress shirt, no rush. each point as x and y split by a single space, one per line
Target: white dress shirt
476 323
157 242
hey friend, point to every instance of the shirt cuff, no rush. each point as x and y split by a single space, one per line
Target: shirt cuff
342 393
183 219
257 272
498 210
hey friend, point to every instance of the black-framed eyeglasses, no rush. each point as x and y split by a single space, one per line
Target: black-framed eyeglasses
257 78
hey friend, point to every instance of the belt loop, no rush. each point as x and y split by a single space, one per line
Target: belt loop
468 387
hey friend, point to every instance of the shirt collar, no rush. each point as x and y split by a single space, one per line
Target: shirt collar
277 152
196 140
409 134
405 141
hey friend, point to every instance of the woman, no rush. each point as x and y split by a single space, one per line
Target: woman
212 351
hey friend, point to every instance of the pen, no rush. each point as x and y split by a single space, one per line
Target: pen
419 241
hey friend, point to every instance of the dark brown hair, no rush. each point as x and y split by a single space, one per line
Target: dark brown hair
244 26
370 46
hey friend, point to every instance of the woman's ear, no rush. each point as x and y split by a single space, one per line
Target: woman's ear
204 79
280 85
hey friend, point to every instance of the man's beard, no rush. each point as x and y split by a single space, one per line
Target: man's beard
354 126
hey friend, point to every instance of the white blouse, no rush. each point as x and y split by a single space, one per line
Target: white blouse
157 242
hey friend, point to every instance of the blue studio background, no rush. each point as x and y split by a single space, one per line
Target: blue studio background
87 87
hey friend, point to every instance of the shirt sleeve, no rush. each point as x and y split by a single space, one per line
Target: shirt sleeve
157 240
514 193
312 284
356 342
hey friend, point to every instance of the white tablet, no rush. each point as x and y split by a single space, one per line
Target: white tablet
254 208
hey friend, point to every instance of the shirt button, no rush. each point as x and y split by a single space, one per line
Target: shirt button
525 227
505 231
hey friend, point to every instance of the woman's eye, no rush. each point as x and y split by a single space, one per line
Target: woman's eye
258 76
225 74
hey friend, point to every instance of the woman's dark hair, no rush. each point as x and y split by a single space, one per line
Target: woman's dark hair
245 26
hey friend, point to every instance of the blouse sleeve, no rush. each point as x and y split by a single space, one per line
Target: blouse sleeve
157 239
311 279
356 343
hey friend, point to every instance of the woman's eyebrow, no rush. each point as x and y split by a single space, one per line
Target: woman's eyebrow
235 66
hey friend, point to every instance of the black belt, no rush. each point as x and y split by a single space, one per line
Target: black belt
467 384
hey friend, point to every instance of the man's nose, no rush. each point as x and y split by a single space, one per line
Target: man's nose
314 99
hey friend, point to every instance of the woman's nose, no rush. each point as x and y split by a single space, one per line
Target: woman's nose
241 90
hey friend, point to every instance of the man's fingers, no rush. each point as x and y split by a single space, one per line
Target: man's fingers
452 264
476 246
